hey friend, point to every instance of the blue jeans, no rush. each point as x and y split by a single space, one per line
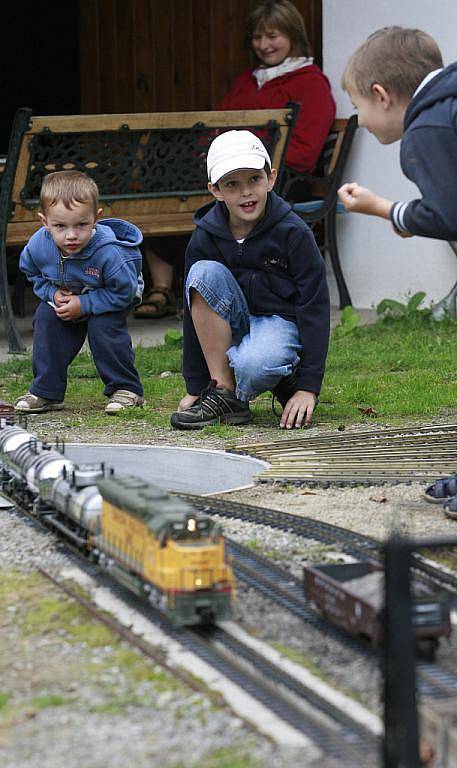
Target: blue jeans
56 343
264 349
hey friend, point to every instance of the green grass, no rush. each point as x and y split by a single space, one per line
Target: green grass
403 368
397 369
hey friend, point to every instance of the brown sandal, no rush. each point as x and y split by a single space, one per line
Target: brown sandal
162 308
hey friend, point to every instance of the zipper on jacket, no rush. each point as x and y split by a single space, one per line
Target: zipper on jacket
62 269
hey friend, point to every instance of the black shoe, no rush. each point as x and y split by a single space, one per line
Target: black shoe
283 391
216 405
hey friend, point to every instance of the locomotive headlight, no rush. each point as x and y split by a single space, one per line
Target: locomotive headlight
198 582
191 525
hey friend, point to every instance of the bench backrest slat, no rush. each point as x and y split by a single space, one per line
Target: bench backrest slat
145 164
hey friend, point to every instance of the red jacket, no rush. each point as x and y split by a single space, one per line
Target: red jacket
307 85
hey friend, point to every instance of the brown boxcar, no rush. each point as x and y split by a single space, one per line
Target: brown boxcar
351 595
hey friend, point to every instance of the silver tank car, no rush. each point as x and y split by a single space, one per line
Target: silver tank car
76 495
11 438
35 461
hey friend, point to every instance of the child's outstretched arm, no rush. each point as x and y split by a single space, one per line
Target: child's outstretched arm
357 199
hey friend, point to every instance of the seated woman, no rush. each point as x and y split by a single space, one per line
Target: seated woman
285 72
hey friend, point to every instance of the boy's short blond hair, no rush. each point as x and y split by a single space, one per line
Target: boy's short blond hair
68 187
397 58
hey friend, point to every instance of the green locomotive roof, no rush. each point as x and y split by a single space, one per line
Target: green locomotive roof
147 502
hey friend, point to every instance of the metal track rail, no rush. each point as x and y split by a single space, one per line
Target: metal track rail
352 735
282 588
285 590
355 544
296 704
290 701
371 457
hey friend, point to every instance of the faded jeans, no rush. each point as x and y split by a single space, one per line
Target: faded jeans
264 349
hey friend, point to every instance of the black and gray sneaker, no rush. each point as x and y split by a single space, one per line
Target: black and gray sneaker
283 391
216 405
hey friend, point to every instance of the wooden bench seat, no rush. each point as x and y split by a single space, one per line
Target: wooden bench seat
150 169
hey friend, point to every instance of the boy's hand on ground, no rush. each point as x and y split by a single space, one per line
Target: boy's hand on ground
187 402
70 308
60 296
357 199
300 406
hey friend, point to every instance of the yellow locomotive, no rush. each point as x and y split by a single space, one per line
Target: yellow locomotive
159 545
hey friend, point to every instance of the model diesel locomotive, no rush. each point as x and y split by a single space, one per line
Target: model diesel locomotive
156 544
351 595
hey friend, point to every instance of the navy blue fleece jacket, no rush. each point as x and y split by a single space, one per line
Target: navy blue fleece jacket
280 271
428 156
106 274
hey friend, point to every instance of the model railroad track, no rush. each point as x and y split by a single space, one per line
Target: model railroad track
351 543
345 740
415 454
298 705
294 703
285 590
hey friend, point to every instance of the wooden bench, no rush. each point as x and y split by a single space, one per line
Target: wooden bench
150 169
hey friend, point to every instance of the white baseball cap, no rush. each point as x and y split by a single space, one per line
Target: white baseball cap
234 150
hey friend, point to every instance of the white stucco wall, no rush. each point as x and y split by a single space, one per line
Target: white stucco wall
376 262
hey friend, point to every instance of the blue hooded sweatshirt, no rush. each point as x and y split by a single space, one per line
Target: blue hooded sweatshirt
106 274
281 272
428 157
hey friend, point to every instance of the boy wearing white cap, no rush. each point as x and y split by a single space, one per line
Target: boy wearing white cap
256 314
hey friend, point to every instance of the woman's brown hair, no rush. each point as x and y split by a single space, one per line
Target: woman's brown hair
283 16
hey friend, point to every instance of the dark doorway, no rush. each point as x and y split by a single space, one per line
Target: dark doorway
39 60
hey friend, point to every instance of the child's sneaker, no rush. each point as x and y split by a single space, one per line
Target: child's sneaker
29 403
122 399
216 405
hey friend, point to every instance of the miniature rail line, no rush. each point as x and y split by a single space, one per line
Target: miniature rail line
272 687
412 454
347 743
354 737
355 544
296 704
284 589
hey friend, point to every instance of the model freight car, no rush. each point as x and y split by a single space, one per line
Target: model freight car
351 595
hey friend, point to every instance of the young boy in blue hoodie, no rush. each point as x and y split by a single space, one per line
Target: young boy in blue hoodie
256 314
88 277
400 89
